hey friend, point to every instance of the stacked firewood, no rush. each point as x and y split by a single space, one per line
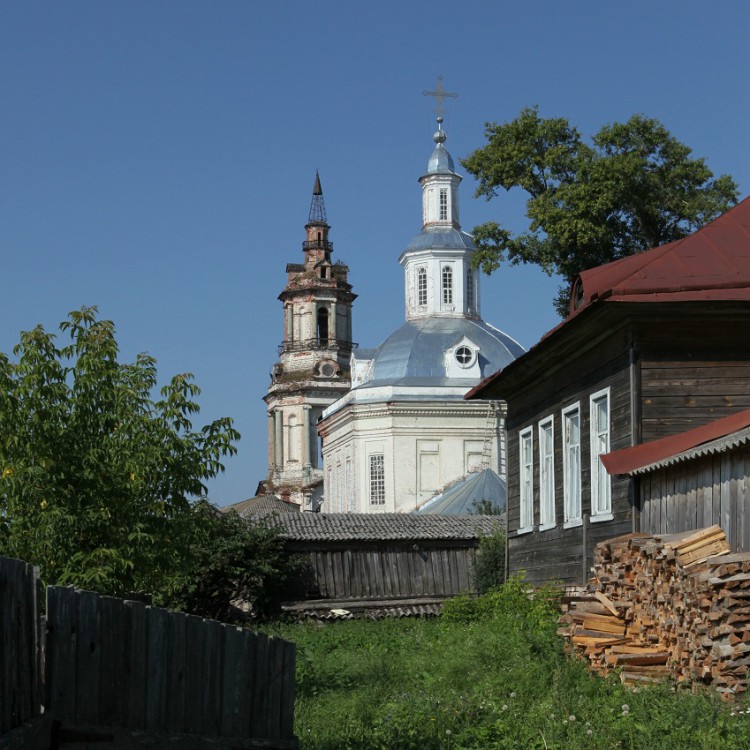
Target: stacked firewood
673 605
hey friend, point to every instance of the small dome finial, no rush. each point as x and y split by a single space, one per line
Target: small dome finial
440 136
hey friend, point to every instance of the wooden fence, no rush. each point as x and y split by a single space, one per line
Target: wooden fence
20 639
122 666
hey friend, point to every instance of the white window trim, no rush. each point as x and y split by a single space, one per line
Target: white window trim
575 521
422 275
377 483
544 523
597 514
525 503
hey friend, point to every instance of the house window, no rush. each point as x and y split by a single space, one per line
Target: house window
443 204
547 473
526 463
601 487
572 464
447 285
422 286
377 479
469 289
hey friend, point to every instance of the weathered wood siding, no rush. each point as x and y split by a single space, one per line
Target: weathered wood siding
123 665
388 570
20 644
558 553
693 370
694 494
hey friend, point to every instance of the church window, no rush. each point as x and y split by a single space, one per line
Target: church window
422 286
443 204
470 289
447 285
323 326
377 479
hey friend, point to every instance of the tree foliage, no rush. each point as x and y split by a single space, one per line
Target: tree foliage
634 187
98 477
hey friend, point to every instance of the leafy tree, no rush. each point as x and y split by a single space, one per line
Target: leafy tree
634 187
229 559
96 475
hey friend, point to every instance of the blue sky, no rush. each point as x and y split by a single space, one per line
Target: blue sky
157 158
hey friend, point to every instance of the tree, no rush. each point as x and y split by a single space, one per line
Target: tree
96 476
635 187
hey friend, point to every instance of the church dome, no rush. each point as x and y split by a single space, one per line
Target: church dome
415 354
441 238
440 161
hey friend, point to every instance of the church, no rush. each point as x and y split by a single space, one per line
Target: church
387 429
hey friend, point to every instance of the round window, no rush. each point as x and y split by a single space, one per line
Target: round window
464 356
327 370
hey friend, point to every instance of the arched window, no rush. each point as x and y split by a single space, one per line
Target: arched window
470 302
422 286
447 285
323 326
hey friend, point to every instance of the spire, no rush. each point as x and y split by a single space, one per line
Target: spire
317 206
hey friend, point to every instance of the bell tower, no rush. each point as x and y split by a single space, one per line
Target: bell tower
312 370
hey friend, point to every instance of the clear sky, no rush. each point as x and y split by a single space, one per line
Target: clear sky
157 158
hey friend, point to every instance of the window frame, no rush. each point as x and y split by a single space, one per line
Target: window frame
547 509
422 286
446 284
525 480
443 204
570 520
600 511
376 478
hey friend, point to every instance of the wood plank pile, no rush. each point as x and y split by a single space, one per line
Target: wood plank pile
658 606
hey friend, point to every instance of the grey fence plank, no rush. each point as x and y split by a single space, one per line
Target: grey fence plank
62 637
176 672
157 626
88 659
113 676
259 699
136 653
194 675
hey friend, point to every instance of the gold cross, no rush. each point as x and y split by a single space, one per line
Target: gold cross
440 94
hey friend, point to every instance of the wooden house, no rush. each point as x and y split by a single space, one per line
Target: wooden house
654 345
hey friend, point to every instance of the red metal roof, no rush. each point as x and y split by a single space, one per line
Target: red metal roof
713 263
629 459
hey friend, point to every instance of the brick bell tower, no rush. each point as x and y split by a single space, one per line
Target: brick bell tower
313 366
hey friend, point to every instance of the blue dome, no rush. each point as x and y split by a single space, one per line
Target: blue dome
415 353
440 161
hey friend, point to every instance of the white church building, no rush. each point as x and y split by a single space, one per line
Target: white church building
403 432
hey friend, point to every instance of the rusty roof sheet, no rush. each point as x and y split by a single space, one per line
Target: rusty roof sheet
682 446
714 260
341 527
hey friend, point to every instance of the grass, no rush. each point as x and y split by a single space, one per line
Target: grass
490 673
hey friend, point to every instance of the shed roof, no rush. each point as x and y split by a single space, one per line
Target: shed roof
364 527
709 438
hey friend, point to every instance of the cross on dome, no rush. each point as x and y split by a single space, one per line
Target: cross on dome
440 94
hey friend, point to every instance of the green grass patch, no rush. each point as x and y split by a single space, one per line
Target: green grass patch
490 673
